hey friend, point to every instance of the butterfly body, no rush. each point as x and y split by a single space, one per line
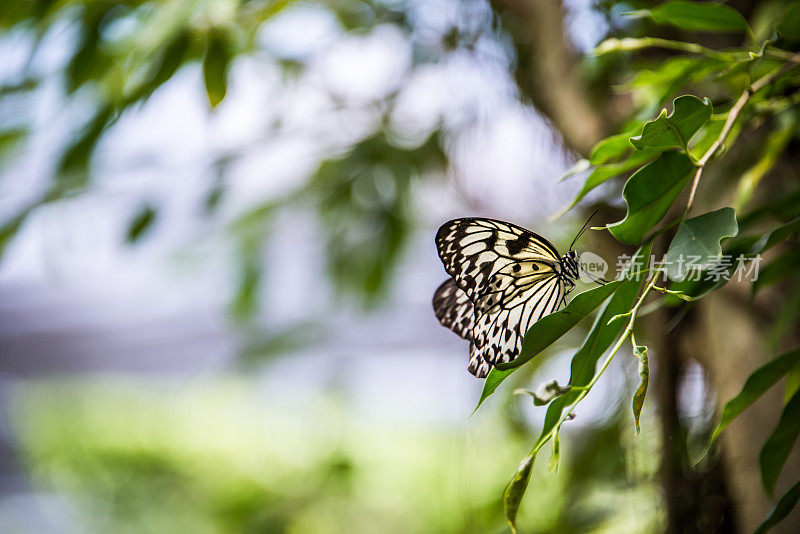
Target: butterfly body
504 278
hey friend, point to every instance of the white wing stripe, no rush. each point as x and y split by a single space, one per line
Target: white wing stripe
504 277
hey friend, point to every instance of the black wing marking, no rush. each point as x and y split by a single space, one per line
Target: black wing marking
453 309
511 276
500 330
474 249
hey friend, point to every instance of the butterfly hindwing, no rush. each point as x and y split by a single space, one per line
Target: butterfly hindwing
453 309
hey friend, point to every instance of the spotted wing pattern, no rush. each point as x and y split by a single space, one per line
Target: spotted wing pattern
472 249
455 311
511 276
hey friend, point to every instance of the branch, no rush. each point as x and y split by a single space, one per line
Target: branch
633 43
584 390
733 114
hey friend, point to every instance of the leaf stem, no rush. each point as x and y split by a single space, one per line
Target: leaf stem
631 43
584 390
733 114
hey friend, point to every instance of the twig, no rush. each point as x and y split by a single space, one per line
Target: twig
584 390
631 43
733 114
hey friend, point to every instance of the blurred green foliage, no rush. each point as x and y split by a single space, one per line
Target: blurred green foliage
125 51
223 457
364 204
210 459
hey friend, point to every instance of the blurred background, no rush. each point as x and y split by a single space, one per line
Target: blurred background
217 261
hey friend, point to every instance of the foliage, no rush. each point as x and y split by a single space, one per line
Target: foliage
675 130
757 384
753 87
547 330
640 351
700 237
221 456
696 16
746 94
125 52
781 510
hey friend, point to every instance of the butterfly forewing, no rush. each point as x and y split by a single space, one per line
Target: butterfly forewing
512 278
474 249
498 332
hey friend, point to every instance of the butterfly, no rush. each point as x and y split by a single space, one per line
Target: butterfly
503 279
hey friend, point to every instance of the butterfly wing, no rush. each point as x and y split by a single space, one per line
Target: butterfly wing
456 312
454 309
500 329
473 249
512 277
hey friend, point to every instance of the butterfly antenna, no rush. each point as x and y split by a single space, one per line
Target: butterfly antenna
596 279
583 229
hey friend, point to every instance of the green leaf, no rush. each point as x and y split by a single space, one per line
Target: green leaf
245 301
580 166
776 236
88 60
649 193
556 456
689 114
778 207
781 510
779 444
778 269
583 365
696 16
601 336
584 362
512 496
10 138
708 134
699 239
610 148
736 248
547 330
546 393
215 68
784 323
789 26
604 173
10 228
653 88
165 65
493 380
640 351
75 159
551 327
792 383
140 224
756 385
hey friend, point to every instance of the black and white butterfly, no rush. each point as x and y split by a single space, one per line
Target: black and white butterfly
504 279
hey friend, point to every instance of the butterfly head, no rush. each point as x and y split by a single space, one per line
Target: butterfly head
570 263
